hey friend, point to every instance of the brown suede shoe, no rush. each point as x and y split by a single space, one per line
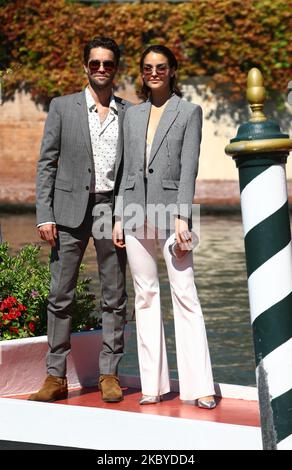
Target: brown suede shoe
110 388
54 388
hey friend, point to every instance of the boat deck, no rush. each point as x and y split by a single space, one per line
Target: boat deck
228 410
85 421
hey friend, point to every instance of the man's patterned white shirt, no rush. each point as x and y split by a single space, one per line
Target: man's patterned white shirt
104 139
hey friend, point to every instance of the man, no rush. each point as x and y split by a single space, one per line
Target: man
77 172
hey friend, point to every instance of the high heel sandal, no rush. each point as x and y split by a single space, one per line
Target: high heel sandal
149 400
207 404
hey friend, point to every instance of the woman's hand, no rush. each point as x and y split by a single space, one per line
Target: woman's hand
182 234
118 236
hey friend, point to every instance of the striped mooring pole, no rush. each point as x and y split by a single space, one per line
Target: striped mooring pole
260 151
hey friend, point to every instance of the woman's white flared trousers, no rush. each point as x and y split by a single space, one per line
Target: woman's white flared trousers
193 360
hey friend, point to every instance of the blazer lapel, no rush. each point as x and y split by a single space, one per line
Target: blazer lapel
84 121
121 114
121 111
169 115
141 128
120 144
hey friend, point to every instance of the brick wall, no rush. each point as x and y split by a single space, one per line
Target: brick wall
21 130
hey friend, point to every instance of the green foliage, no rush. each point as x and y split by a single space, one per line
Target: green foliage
27 280
42 41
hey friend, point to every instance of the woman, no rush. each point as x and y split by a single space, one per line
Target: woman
162 140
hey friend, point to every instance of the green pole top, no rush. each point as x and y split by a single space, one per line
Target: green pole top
259 134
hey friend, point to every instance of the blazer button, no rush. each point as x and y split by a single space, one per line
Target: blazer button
150 170
87 188
89 170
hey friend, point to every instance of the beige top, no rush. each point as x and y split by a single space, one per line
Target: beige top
154 119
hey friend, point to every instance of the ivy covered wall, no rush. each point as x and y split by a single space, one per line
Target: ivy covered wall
41 41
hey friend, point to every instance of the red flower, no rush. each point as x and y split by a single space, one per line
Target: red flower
9 302
31 326
13 329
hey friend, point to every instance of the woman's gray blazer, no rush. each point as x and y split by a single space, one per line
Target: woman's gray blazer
173 162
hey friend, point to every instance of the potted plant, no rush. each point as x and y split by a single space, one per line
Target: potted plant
24 289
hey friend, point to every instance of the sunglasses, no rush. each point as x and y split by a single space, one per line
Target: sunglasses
160 69
95 65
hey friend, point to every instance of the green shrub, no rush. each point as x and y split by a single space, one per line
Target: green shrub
24 289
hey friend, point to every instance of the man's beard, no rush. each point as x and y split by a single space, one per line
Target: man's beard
95 84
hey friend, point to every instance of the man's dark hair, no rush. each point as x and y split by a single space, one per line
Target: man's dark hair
105 43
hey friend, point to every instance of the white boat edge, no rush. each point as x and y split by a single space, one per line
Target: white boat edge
102 429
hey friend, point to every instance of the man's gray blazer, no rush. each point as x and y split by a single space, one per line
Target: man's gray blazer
66 161
173 162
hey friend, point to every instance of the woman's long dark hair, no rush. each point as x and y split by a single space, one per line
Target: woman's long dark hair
158 49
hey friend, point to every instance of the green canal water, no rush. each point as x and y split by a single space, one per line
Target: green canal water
221 282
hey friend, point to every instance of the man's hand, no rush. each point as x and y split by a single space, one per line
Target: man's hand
48 233
118 237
